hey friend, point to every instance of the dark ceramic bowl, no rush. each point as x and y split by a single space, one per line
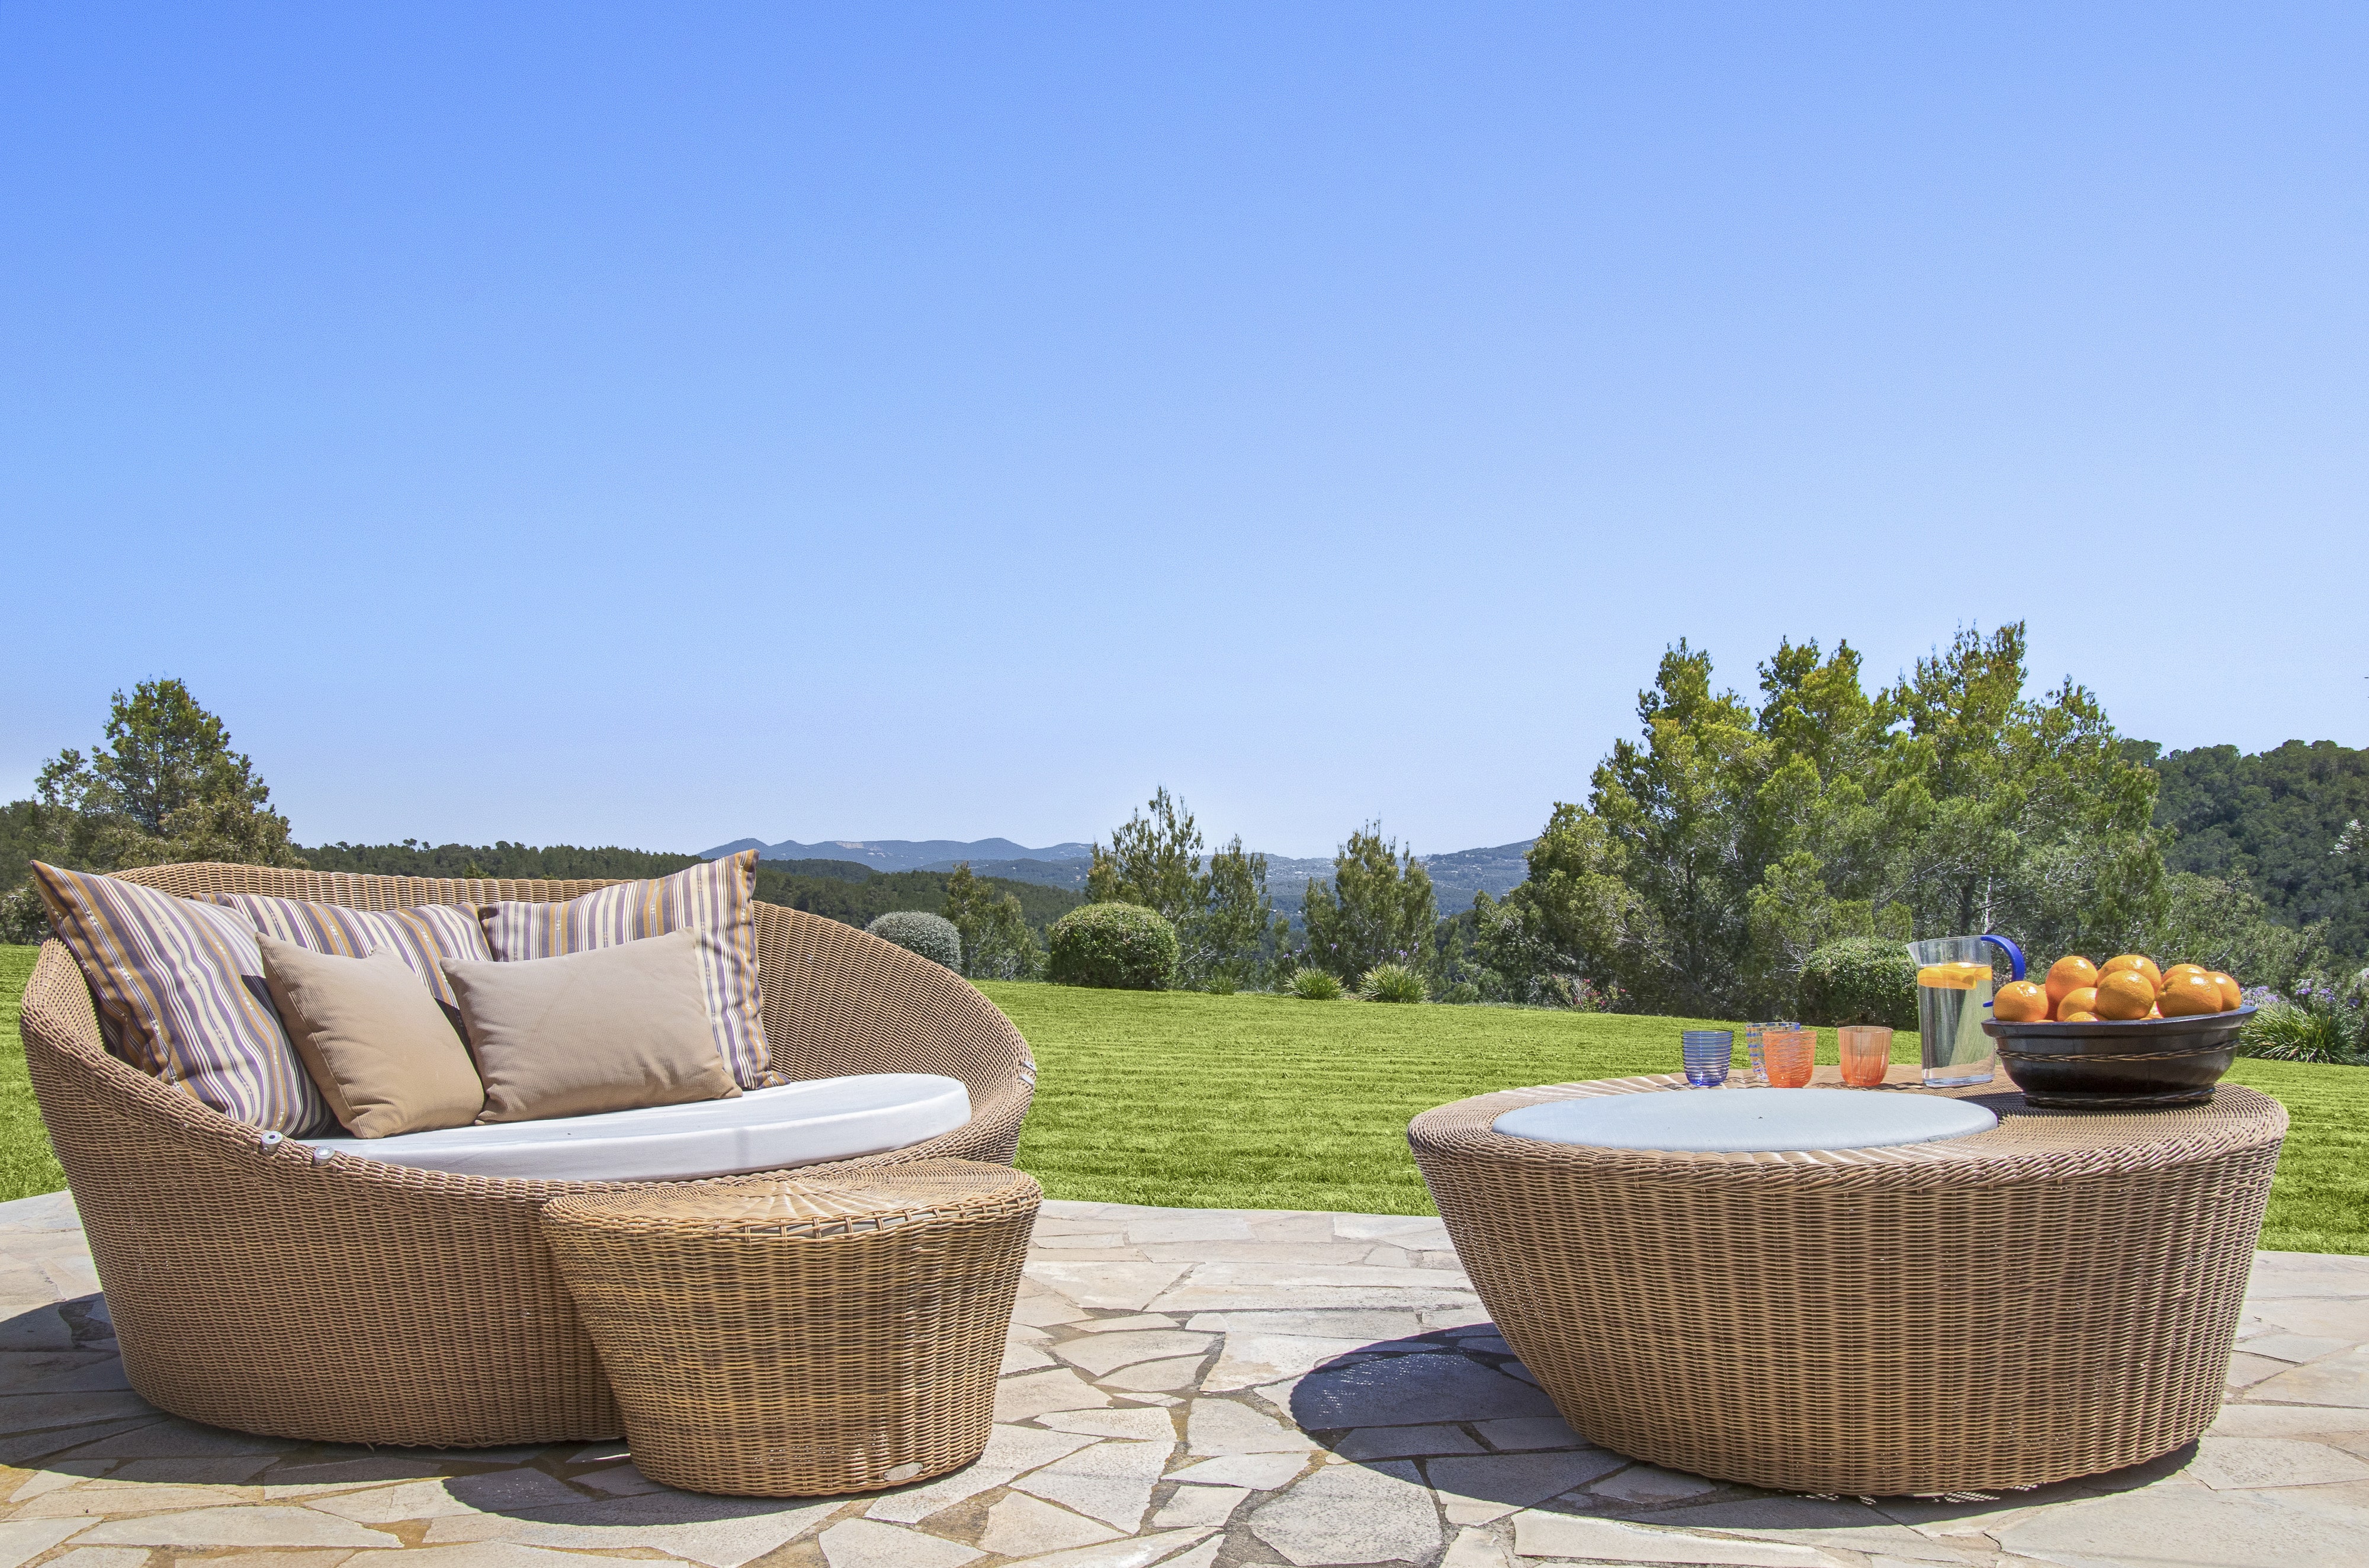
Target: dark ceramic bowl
2111 1067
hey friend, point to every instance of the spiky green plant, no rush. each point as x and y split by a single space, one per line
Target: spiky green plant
1315 985
1393 983
2318 1023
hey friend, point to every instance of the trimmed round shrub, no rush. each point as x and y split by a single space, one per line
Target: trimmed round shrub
933 936
1316 985
1463 993
1861 980
1393 983
1116 946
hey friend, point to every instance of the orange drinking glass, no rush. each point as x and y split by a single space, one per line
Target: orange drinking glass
1790 1055
1866 1055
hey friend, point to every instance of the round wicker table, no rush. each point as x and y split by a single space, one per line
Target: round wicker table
2054 1297
802 1337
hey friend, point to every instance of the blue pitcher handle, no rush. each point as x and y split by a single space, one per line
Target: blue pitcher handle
2014 953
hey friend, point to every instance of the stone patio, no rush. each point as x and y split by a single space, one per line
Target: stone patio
1189 1388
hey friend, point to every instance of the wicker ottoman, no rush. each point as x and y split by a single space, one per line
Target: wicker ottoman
2054 1298
791 1338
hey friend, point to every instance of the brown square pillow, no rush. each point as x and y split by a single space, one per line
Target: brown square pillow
374 1039
610 1029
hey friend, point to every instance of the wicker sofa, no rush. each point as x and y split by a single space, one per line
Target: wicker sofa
256 1283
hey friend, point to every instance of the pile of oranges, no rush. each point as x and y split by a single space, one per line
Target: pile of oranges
2121 990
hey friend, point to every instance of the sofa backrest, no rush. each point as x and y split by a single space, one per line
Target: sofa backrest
353 889
836 1000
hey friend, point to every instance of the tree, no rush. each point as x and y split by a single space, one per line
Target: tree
2286 823
1152 861
1380 909
1729 841
996 942
1232 921
2015 814
164 786
1221 912
1679 809
1565 922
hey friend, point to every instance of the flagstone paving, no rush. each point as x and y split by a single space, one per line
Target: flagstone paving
1190 1388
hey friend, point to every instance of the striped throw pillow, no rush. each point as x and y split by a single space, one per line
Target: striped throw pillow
424 936
718 900
183 982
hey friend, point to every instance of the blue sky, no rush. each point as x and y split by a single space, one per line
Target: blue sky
654 425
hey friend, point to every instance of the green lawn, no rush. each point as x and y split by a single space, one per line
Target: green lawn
1262 1102
27 1166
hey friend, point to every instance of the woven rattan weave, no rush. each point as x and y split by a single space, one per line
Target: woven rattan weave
2053 1298
345 1301
806 1336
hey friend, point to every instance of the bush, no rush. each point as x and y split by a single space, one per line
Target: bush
2318 1023
1116 946
1861 980
1463 993
23 917
1575 992
1221 985
1393 983
933 936
1316 985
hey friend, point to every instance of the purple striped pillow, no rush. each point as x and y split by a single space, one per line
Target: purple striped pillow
183 981
424 936
718 900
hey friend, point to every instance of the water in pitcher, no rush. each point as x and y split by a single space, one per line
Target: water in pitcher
1953 1000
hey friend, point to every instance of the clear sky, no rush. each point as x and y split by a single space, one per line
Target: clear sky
661 423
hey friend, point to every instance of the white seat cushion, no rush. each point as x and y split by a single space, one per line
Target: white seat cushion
764 1129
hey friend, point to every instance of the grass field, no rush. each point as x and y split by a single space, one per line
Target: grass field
1262 1102
27 1166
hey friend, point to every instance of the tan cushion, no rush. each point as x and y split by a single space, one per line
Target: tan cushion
716 900
608 1030
378 1046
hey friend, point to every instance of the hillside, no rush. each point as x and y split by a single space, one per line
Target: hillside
839 889
2293 823
499 859
906 854
859 899
1067 873
1456 876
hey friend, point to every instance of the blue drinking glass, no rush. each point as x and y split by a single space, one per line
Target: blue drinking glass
1707 1053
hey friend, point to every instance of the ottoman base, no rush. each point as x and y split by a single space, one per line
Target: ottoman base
796 1338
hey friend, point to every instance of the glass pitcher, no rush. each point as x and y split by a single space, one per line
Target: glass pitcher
1953 1001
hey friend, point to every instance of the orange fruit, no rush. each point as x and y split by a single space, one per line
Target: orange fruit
2179 969
2076 1017
2019 1001
2068 974
2188 995
2233 995
2084 1001
2138 961
2124 994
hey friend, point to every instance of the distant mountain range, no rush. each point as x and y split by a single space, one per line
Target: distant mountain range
1455 876
907 855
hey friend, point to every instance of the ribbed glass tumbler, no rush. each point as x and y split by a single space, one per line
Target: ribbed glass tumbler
1756 1056
1707 1053
1790 1055
1866 1054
